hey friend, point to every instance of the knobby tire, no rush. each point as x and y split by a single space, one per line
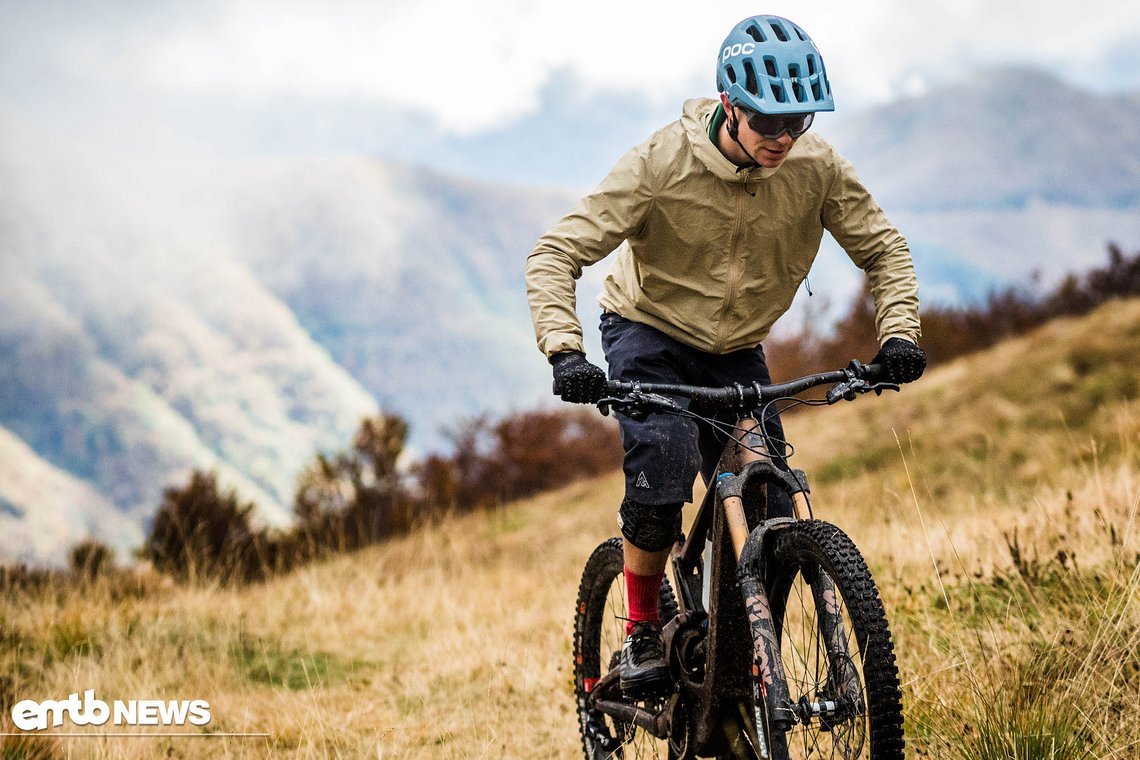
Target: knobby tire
799 552
599 630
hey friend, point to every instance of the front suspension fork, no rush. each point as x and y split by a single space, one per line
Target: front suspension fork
843 681
768 668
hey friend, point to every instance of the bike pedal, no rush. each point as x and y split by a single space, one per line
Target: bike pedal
649 690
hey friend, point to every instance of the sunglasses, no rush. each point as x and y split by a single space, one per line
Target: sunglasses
774 125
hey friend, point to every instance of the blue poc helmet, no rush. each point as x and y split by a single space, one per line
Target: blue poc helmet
769 65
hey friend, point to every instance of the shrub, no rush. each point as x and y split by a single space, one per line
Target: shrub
90 558
204 532
519 455
951 331
358 496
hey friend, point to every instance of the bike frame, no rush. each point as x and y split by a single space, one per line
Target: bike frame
741 642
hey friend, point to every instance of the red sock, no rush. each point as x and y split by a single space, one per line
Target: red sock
642 591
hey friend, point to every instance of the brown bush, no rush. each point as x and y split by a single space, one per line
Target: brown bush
951 331
522 454
204 532
355 497
91 558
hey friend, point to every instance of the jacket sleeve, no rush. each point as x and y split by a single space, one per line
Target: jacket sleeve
857 223
614 211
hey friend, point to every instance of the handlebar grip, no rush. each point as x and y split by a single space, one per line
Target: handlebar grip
874 372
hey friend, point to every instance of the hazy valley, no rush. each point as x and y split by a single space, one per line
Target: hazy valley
163 314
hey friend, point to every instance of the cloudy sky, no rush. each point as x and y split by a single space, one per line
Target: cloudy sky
507 89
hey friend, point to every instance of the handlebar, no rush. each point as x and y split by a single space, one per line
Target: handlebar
637 399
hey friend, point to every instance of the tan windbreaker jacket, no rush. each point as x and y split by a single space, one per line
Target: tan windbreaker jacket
709 255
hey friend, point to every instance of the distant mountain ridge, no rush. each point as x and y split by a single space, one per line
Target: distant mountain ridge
1008 137
1008 173
240 315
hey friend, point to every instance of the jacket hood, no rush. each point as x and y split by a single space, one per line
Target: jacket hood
696 115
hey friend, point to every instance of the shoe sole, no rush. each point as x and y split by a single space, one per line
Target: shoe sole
652 683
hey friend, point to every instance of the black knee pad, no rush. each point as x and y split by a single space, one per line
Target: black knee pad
650 527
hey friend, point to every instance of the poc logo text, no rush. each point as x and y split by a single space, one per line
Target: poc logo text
746 48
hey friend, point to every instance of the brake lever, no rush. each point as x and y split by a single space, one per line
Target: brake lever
878 388
637 405
849 389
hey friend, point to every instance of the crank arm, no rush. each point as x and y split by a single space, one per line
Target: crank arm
656 723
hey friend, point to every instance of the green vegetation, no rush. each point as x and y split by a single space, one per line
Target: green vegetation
262 662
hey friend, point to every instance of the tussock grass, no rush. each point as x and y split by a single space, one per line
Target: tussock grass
996 503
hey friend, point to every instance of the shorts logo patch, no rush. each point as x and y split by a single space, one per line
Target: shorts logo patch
642 481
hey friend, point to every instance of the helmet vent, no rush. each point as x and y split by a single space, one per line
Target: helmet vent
731 74
797 88
778 91
816 93
755 33
811 65
779 30
770 66
750 77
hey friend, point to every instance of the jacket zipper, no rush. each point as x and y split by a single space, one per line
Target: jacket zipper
734 267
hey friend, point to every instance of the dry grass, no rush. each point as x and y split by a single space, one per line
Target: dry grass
453 642
998 504
997 501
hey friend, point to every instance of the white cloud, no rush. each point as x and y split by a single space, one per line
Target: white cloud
478 65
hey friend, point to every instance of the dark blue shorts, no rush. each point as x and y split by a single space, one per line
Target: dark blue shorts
664 453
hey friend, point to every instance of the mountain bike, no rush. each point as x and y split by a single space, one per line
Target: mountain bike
777 640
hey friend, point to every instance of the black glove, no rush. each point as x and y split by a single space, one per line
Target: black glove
903 361
576 380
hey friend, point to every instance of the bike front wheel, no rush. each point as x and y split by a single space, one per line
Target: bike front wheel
599 632
835 646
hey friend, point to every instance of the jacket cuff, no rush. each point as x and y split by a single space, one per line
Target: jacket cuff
909 338
556 343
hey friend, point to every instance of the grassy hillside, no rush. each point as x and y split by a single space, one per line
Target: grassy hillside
996 500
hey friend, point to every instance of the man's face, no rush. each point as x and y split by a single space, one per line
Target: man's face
769 152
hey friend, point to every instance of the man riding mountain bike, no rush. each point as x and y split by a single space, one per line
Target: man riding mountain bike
716 220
